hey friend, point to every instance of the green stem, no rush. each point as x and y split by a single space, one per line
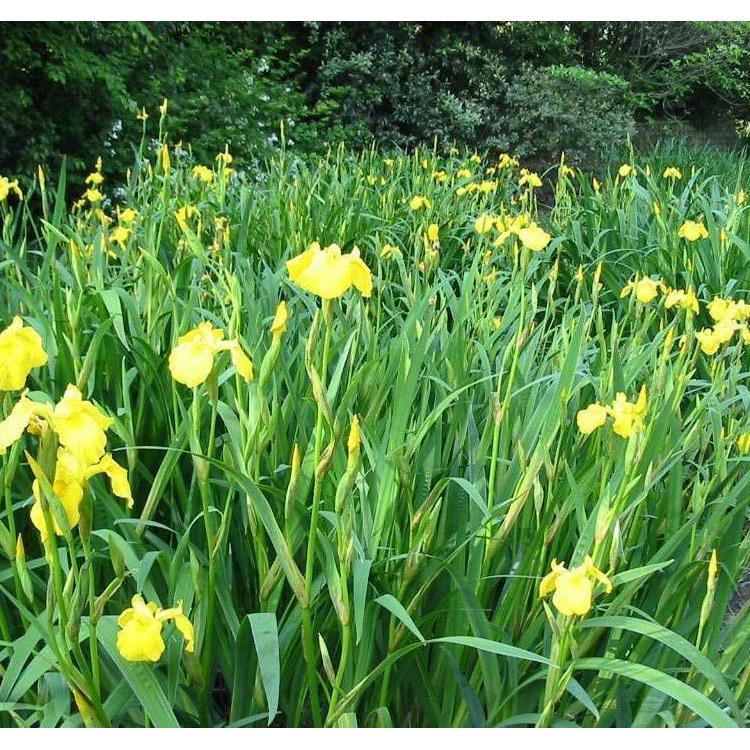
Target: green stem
307 623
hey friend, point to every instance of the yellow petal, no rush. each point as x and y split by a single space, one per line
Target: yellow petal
190 363
188 633
20 352
140 638
80 426
278 326
118 477
572 593
242 363
591 418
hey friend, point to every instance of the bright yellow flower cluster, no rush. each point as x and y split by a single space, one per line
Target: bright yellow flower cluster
573 588
204 174
140 638
81 431
627 417
329 273
20 352
672 173
192 360
530 234
531 179
730 317
485 187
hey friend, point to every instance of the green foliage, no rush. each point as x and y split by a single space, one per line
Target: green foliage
571 109
466 367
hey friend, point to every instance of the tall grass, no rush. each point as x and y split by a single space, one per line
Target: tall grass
466 367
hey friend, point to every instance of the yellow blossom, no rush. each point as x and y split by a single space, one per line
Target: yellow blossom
534 237
419 201
140 638
9 186
591 418
573 589
531 179
626 170
741 198
722 309
708 340
672 173
95 178
692 231
627 416
192 359
646 289
183 214
20 352
389 251
433 233
743 443
120 235
204 174
329 273
127 216
92 195
464 174
484 223
685 300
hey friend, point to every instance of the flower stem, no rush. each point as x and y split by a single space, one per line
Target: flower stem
307 623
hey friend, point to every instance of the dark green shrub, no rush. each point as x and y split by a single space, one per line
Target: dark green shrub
571 109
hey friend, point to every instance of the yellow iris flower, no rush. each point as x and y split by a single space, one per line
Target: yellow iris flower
192 360
672 173
140 638
692 231
646 289
573 589
534 237
685 300
531 179
70 482
20 352
329 273
7 186
743 443
419 201
591 418
484 223
627 416
204 174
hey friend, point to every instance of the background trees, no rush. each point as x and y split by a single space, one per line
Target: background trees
75 88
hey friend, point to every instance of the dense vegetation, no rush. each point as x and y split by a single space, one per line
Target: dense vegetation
75 88
354 511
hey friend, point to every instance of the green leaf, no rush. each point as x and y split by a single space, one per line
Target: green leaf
682 693
266 638
395 607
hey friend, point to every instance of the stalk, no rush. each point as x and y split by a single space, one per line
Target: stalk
307 623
